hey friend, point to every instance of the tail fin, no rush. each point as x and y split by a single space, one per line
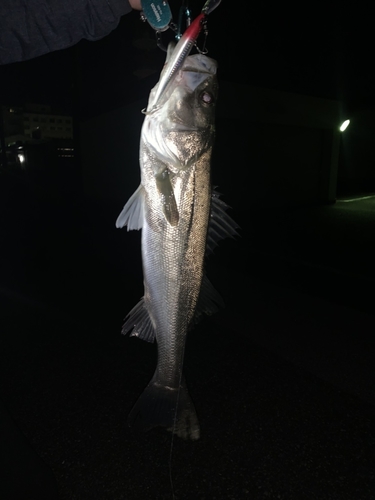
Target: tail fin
161 406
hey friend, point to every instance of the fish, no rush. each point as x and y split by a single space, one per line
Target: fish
182 219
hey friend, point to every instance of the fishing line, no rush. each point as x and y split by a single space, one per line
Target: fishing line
170 468
173 429
196 96
174 423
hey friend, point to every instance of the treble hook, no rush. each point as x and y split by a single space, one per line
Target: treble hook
184 14
204 49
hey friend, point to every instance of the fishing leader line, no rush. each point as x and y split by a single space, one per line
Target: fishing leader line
182 354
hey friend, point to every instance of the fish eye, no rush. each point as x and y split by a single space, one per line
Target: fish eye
206 97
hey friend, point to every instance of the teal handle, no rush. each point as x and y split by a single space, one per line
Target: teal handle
157 13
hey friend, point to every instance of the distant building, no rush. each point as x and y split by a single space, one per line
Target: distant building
36 138
34 121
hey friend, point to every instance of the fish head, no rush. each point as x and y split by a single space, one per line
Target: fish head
193 96
182 127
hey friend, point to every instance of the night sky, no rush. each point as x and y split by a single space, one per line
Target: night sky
326 53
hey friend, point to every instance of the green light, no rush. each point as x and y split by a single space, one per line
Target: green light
344 125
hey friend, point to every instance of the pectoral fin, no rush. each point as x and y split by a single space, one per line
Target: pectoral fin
132 213
168 201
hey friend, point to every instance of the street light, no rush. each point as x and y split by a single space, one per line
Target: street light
344 125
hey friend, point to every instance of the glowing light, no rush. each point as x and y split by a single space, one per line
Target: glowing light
21 157
344 125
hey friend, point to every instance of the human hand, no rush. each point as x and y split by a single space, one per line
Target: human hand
135 4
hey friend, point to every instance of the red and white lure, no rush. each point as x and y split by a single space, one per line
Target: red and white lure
181 52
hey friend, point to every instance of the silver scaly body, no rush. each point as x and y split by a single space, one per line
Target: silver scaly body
174 206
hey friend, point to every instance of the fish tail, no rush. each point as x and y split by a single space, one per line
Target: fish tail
162 406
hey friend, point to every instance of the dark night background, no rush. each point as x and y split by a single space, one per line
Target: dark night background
324 51
283 377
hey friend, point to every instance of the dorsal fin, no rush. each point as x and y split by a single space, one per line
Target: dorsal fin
220 225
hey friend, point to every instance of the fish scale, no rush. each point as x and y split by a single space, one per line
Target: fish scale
181 220
180 280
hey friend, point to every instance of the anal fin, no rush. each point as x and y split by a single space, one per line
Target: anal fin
209 300
138 322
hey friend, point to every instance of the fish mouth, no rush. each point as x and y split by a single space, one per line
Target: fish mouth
180 127
176 123
199 63
196 70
